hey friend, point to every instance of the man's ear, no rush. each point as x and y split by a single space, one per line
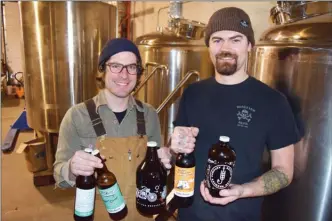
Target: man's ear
249 46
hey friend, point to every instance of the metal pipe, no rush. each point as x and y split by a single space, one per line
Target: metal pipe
162 67
162 8
158 16
147 64
175 9
179 86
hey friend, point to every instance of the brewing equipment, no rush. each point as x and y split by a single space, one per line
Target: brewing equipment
61 45
173 57
62 42
295 57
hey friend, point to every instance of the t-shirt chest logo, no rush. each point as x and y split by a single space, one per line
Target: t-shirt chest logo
244 115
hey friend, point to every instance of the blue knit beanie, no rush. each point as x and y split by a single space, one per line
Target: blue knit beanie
115 46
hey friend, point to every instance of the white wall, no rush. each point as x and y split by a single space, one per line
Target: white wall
13 36
259 13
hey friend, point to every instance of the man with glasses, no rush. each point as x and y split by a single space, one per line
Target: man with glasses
114 122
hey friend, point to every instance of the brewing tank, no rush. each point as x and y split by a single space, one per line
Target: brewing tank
175 55
295 57
61 43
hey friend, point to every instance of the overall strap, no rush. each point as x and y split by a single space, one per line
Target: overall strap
95 118
140 120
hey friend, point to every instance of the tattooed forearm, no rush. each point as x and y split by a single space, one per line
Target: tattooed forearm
274 180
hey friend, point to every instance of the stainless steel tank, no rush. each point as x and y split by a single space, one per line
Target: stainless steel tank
171 62
295 57
61 41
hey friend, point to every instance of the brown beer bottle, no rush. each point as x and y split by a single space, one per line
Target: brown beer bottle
184 179
219 169
110 192
85 196
151 183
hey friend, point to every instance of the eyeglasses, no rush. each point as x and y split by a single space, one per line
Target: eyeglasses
117 68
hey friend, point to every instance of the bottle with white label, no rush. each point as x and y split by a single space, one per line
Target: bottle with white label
85 196
220 165
110 192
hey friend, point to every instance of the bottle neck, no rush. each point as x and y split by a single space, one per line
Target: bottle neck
222 143
104 169
151 154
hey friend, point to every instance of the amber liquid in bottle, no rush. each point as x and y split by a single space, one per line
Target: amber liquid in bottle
220 165
110 191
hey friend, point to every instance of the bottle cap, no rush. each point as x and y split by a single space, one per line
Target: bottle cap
88 150
224 139
152 144
95 152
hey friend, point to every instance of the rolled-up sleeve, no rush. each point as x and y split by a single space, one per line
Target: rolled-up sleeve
68 144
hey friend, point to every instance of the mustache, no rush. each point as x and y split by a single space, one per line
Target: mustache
226 54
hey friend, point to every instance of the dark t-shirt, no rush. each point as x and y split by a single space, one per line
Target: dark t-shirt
120 115
254 116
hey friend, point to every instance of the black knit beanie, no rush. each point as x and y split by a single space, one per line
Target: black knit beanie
115 46
231 19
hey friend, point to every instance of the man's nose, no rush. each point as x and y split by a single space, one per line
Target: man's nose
124 73
225 46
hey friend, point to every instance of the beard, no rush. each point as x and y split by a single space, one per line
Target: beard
225 67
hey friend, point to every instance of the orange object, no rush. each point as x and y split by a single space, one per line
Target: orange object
19 91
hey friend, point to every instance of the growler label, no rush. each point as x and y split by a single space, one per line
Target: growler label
184 181
112 198
151 197
219 176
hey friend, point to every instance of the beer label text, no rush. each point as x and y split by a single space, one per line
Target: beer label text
184 181
113 199
219 176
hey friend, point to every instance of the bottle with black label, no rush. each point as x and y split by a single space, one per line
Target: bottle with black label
220 165
151 183
85 196
110 191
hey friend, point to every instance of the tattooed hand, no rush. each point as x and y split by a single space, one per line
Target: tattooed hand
183 139
165 157
227 196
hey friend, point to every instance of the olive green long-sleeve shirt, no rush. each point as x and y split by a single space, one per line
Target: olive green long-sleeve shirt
76 130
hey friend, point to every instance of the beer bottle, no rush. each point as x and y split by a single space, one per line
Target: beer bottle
85 196
184 179
220 164
151 183
110 191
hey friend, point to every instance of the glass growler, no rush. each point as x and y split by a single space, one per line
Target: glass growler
184 179
151 183
110 192
85 196
220 165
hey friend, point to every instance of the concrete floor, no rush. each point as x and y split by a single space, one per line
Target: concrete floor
20 199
